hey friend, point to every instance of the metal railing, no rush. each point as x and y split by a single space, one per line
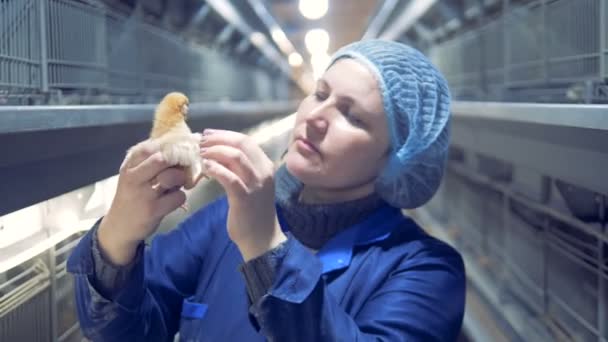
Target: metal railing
85 52
542 51
37 302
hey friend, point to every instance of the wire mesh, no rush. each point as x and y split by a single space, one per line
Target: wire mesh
573 39
604 28
90 48
64 296
540 51
76 45
525 56
460 61
24 310
19 45
492 36
123 66
66 303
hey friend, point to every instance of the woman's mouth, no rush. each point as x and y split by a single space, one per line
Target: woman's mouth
306 147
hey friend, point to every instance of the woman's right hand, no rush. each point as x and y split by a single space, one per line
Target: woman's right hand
148 189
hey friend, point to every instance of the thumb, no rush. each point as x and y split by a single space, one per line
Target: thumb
169 202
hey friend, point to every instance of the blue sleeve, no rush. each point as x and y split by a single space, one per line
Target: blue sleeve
422 300
148 306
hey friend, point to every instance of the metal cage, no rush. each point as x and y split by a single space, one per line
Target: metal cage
52 49
37 299
541 51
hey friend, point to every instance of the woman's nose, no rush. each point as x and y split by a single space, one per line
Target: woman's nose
318 118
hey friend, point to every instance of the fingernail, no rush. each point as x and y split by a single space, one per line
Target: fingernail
208 131
203 150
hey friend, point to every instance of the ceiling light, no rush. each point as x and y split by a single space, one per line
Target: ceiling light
295 59
317 41
313 9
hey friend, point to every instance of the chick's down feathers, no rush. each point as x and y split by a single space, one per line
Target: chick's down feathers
178 145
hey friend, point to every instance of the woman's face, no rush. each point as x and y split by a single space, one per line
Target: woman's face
340 139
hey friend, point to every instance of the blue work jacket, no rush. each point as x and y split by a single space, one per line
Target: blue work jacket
383 279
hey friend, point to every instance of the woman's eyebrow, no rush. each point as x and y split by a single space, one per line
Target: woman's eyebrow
344 98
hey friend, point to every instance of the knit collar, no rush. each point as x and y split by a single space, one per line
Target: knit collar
315 224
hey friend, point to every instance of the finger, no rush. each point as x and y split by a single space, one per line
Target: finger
233 159
149 168
169 201
235 139
171 178
140 152
231 183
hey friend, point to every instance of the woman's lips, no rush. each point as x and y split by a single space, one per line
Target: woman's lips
306 147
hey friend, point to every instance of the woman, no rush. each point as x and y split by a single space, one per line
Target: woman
318 251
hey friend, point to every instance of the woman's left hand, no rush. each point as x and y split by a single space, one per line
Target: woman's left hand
247 176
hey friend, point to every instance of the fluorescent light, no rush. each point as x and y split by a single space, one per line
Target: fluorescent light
313 9
295 59
317 41
281 39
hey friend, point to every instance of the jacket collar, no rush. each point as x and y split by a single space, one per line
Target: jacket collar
338 251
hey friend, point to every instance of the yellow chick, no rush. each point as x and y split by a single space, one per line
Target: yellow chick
178 144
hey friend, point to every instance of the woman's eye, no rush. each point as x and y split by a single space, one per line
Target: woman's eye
353 119
320 96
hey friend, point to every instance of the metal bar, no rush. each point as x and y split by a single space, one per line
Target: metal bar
44 68
480 179
572 255
414 11
545 263
559 301
20 276
506 42
278 35
53 295
224 36
69 332
242 46
14 119
232 16
199 17
544 37
568 115
603 38
20 59
373 30
67 247
602 311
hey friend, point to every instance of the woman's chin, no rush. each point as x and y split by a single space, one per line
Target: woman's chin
302 168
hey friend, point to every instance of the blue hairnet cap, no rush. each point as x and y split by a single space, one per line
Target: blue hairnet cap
416 101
